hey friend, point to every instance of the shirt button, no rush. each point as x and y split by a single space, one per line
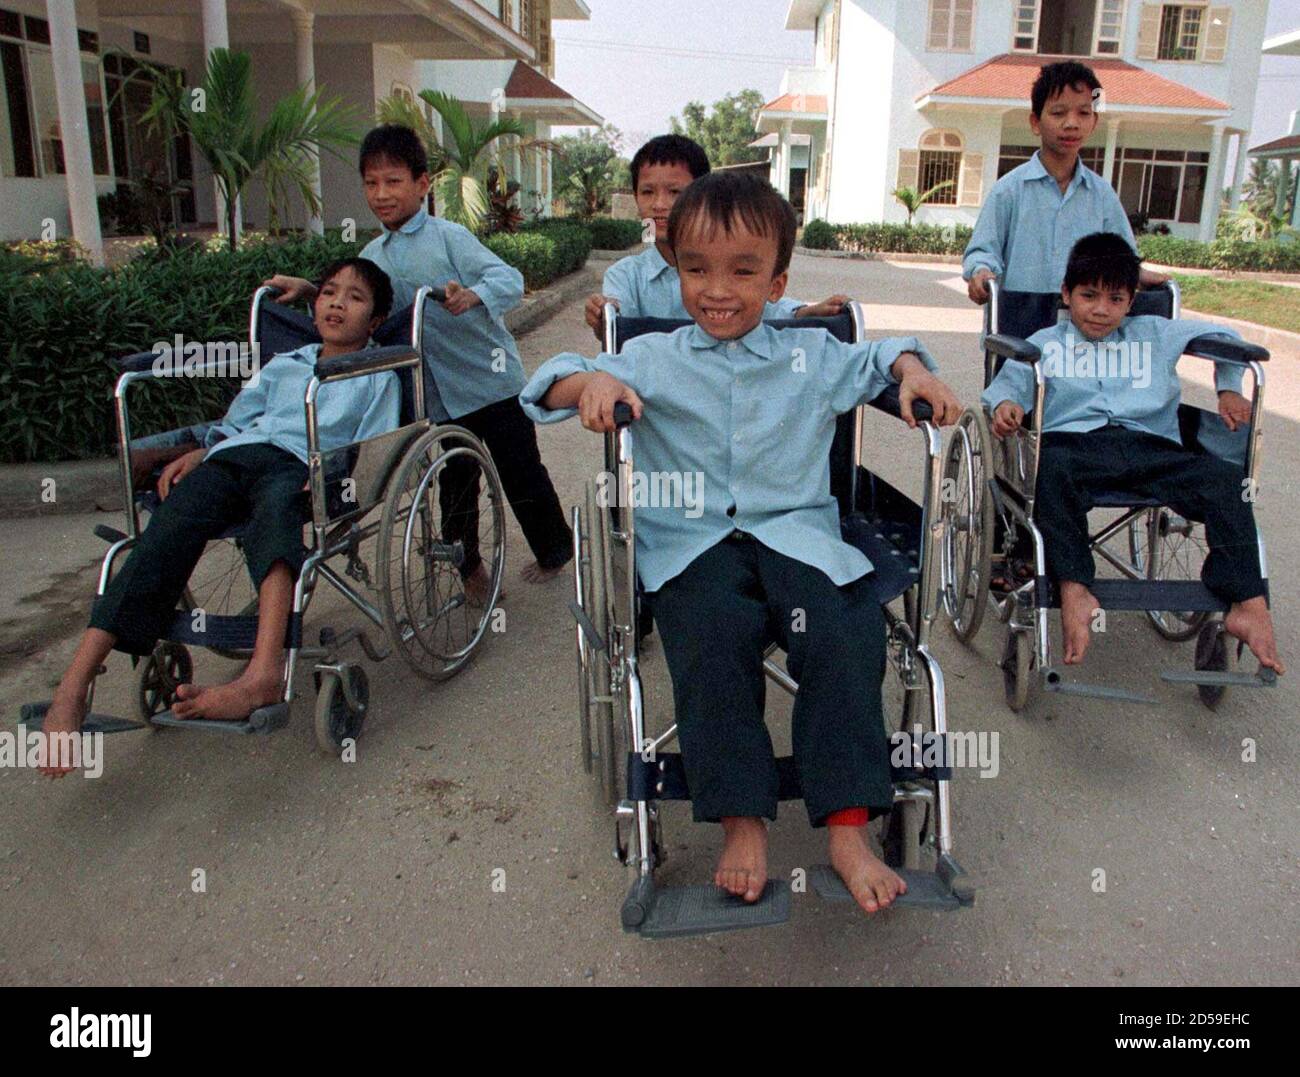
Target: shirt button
735 436
732 346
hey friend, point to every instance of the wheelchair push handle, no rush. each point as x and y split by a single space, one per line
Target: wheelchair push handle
622 414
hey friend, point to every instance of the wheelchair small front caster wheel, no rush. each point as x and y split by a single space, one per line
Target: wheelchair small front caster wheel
158 676
1017 664
1212 654
338 717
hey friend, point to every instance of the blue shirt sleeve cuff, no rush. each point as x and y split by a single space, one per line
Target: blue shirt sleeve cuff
553 370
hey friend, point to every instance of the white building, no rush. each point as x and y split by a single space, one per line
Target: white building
1286 149
62 61
521 91
909 93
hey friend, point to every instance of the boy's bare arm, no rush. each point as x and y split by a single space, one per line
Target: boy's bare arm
917 383
291 288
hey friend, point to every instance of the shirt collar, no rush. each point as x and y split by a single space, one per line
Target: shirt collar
1038 171
758 340
412 226
657 262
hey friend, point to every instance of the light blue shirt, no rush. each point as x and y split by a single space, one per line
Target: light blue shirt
646 286
1128 378
742 425
273 411
471 360
1027 228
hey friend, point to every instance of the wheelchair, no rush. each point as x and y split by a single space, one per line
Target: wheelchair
1157 553
391 489
633 768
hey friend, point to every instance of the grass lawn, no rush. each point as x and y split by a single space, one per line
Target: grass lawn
1254 301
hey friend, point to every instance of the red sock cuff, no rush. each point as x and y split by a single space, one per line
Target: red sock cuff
848 817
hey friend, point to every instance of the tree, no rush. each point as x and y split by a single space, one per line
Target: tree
726 132
218 115
912 201
587 168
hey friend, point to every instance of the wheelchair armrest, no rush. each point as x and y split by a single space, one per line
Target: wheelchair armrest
137 363
354 364
890 403
1222 348
1009 347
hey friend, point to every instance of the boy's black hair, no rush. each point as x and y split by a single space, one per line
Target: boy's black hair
1103 259
723 198
381 288
1056 78
671 150
394 142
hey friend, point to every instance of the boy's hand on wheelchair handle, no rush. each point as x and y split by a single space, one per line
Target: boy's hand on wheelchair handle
978 285
459 298
177 470
1234 409
915 382
827 308
594 311
292 289
596 404
1007 418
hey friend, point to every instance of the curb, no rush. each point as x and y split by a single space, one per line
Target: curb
96 486
881 256
1264 276
1281 343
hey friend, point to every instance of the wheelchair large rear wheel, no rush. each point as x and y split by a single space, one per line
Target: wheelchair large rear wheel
443 506
597 709
1166 546
967 547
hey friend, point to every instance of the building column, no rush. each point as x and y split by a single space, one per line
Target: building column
1281 186
303 22
784 157
1212 197
74 128
1239 173
216 35
1112 148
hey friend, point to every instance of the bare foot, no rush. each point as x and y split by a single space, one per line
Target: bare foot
534 573
478 586
1250 622
742 868
873 885
62 721
1078 604
231 702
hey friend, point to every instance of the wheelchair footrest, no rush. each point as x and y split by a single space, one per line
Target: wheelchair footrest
674 912
1265 678
263 720
32 715
925 889
1053 681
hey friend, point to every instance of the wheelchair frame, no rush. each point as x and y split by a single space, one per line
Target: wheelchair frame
608 659
342 687
1010 485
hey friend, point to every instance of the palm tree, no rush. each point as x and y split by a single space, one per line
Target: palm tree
461 183
219 118
911 201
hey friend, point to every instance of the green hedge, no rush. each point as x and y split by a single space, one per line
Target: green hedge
543 251
608 234
65 324
887 238
1227 254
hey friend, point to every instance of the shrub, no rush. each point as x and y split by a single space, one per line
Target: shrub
608 234
888 238
1225 254
543 251
66 324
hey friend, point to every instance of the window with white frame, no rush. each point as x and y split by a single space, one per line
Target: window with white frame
939 166
1181 26
1068 27
1025 37
31 143
952 24
1110 27
1164 185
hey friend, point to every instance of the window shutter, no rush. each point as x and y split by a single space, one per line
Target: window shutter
963 19
972 180
1149 32
940 16
909 168
1216 35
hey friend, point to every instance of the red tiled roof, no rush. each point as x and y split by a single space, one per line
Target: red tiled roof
797 102
1287 142
526 83
1011 76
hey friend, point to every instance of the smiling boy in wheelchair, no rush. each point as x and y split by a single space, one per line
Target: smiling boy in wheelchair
752 410
1110 422
251 468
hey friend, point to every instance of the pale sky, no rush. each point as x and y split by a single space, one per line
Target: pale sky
638 62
